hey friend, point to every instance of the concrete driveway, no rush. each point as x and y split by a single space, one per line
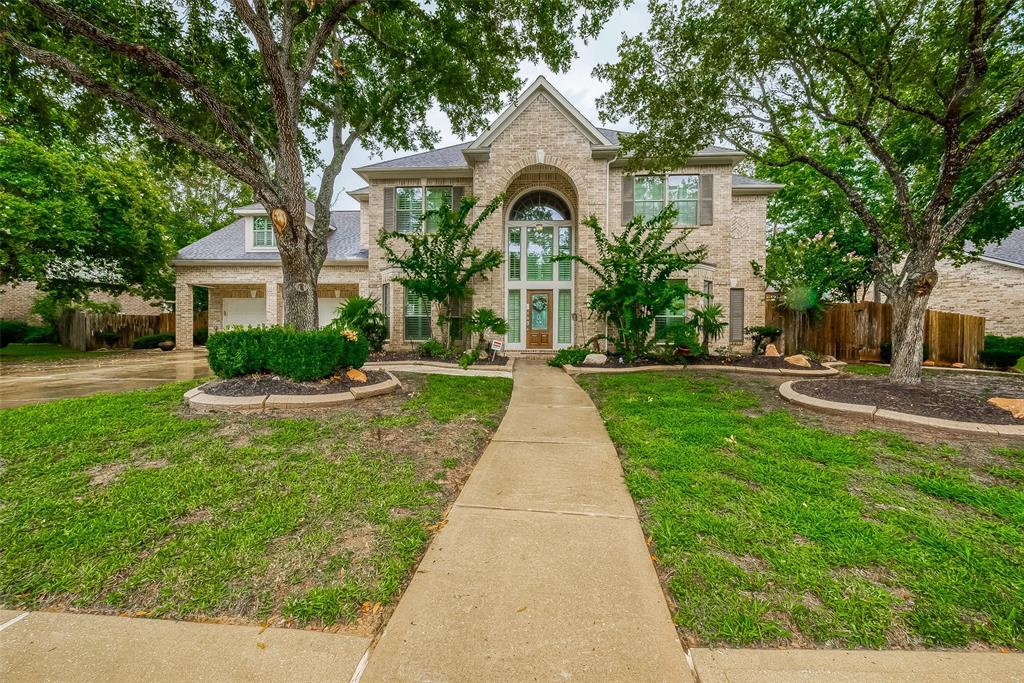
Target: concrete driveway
26 383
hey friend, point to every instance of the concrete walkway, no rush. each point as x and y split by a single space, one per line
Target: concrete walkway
541 573
38 382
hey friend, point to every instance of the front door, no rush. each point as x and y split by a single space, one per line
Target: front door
538 322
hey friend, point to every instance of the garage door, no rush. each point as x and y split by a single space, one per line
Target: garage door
328 309
244 312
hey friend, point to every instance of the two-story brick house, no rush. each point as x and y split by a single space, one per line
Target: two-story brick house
554 168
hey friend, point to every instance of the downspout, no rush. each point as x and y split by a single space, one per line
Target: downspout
607 225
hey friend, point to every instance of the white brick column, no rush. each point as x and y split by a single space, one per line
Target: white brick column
183 315
271 300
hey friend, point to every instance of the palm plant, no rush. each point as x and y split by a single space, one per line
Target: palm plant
710 322
484 319
363 315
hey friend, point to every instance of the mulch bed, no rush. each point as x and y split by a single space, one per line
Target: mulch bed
396 356
961 397
767 362
260 385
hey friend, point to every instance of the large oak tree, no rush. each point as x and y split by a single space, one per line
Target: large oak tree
920 100
253 86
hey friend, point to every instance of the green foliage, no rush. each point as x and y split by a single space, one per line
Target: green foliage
573 355
761 336
773 532
709 321
151 341
997 343
469 356
485 320
78 220
12 332
432 348
680 340
363 315
999 358
809 270
633 270
109 338
440 266
300 355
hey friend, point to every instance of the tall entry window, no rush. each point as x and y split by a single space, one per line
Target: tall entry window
539 294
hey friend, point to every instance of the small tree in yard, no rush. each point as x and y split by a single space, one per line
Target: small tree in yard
634 269
254 87
441 265
911 110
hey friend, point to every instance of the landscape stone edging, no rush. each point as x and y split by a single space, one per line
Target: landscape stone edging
507 367
200 400
790 394
583 370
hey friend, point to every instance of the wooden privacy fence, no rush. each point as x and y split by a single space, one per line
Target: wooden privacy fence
857 332
86 330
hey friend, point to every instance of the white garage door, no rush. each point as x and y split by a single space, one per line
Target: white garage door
328 309
244 312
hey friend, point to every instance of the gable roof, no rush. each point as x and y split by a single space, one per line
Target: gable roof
228 243
1008 252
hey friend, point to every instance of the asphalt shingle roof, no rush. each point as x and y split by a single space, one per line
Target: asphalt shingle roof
1011 249
228 243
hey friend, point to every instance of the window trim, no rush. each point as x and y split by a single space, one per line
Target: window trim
665 201
424 191
250 234
406 316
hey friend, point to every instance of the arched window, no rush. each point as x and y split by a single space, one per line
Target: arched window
540 206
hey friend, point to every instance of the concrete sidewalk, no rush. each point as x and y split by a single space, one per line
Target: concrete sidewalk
541 573
51 646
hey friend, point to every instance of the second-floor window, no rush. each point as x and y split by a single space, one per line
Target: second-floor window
412 202
651 193
263 232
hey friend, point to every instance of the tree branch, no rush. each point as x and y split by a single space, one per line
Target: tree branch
323 33
163 65
167 128
996 183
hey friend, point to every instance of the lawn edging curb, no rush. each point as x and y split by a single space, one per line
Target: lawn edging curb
790 394
437 368
204 402
574 370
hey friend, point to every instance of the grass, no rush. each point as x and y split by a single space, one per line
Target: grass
119 503
772 532
14 353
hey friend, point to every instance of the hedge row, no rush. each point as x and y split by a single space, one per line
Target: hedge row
18 332
300 356
1002 352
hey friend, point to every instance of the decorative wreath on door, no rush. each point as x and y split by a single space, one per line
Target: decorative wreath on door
540 304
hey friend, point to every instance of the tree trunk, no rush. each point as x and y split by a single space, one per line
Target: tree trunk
301 261
908 309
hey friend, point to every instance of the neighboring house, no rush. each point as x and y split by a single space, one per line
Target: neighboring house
554 168
992 286
16 303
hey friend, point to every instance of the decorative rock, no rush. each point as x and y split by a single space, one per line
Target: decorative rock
959 365
929 363
799 360
1015 406
828 359
166 345
771 350
356 375
595 359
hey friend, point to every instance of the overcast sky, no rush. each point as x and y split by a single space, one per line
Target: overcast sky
577 84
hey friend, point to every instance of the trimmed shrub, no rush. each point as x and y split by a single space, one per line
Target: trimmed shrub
998 358
573 355
435 349
1004 345
300 356
43 334
12 332
151 341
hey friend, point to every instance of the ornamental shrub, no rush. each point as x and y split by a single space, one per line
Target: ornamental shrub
299 355
12 332
573 355
151 341
998 358
42 334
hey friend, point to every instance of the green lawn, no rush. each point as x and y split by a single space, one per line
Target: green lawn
771 532
13 353
119 503
866 369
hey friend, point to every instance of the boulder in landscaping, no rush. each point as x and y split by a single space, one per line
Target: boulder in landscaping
799 360
828 359
959 365
356 375
1014 406
929 363
771 350
595 359
166 345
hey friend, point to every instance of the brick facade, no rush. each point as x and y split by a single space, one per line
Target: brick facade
992 290
541 145
16 303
